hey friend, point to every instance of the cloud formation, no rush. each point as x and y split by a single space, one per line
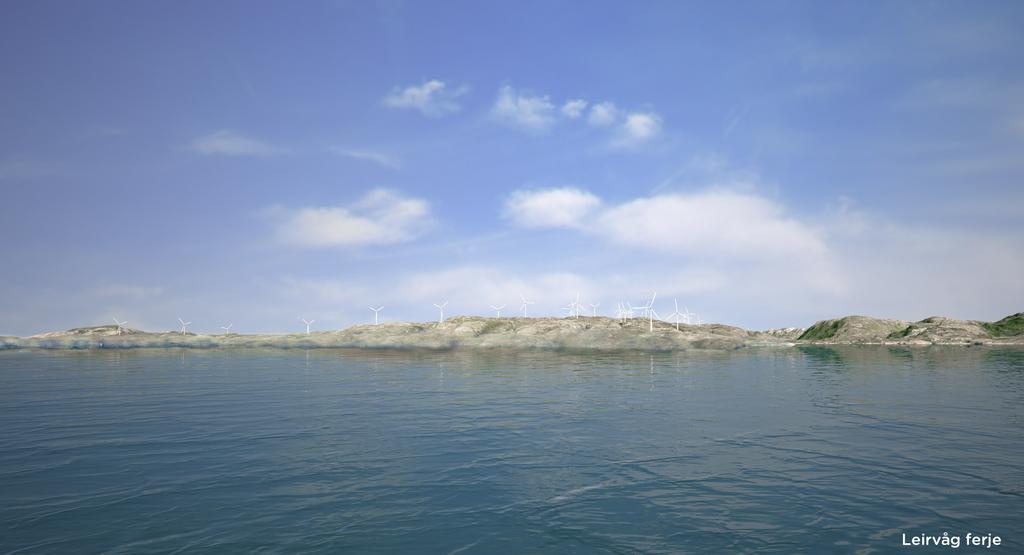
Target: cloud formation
564 207
229 143
640 127
713 222
432 99
367 155
381 217
573 109
537 113
520 109
603 114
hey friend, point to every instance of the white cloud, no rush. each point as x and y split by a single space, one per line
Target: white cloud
432 99
573 109
229 143
381 217
367 155
603 114
534 113
561 207
538 113
640 127
471 289
712 223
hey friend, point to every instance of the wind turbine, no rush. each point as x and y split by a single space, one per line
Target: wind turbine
498 308
183 324
119 324
307 324
525 303
441 308
593 308
227 328
376 312
649 309
676 314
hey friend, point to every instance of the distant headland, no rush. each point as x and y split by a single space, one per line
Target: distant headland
572 334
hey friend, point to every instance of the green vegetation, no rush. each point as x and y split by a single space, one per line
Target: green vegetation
825 329
493 326
1010 326
901 334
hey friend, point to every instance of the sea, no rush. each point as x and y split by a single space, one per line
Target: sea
791 450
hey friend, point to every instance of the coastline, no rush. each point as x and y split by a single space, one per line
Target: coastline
595 334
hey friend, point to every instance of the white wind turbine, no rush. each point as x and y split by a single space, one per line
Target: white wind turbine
376 312
688 316
574 307
525 303
227 328
441 308
676 314
183 324
593 308
649 310
308 323
120 329
498 308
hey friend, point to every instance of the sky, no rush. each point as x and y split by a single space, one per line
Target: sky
766 164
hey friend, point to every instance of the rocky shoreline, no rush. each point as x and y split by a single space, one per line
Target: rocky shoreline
570 334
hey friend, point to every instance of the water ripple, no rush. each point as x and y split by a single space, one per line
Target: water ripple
468 452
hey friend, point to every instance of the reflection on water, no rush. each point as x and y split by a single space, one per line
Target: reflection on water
816 449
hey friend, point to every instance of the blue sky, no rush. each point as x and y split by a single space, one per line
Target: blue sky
768 164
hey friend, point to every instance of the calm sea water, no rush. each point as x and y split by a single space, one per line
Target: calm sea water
814 450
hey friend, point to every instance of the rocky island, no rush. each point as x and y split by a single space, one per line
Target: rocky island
571 334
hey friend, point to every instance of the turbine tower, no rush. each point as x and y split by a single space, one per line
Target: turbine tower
498 308
525 303
649 309
227 328
183 324
307 324
120 329
441 308
593 308
676 314
376 312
